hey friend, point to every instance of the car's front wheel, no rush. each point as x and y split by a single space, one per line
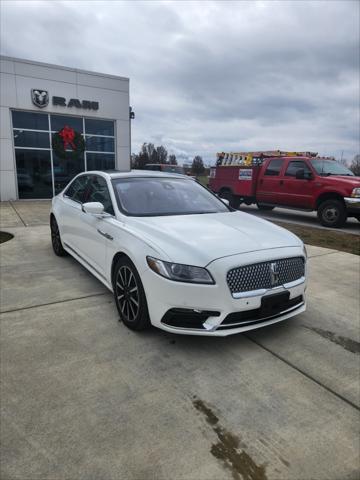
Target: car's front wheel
332 213
130 296
56 239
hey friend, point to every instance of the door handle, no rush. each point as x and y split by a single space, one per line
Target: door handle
104 234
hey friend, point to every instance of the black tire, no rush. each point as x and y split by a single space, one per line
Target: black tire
129 294
56 239
234 201
264 207
332 213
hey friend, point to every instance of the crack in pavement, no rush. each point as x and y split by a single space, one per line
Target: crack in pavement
310 377
54 303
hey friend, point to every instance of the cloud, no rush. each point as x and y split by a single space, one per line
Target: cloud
210 76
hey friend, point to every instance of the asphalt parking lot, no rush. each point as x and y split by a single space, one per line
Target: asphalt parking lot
83 397
299 217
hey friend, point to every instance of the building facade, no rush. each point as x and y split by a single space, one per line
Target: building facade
57 122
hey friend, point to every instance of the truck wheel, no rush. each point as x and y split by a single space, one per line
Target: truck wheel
234 201
264 207
332 213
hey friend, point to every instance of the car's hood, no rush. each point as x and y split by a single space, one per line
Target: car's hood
200 239
351 182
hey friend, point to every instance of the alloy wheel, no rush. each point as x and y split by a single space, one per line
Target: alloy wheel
127 293
55 236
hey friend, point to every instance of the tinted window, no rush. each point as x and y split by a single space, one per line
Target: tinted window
33 121
98 192
77 189
294 166
59 121
172 169
165 196
101 144
65 170
31 139
100 161
274 167
99 127
33 168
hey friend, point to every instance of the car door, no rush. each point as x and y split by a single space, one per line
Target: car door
269 182
92 237
297 192
70 212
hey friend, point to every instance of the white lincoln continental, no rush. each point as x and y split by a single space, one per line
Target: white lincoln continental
176 256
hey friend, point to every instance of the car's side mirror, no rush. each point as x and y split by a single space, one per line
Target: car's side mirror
308 175
94 208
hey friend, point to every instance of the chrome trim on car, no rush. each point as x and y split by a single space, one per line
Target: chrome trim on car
352 202
257 293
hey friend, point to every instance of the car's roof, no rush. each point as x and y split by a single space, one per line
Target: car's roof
137 174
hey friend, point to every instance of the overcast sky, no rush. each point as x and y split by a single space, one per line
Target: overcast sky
211 76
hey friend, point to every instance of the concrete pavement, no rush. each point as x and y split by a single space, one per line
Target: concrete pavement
85 398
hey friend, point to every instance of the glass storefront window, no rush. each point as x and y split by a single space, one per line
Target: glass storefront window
65 170
33 169
100 161
32 121
100 144
99 127
40 172
59 121
24 138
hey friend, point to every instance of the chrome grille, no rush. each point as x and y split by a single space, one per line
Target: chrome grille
265 274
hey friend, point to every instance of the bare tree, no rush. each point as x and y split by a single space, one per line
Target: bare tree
355 165
197 166
172 159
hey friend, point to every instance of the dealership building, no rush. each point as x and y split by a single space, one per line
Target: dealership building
57 122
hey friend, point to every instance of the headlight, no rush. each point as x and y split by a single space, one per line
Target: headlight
356 193
179 272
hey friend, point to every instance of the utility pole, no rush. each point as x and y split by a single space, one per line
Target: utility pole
131 117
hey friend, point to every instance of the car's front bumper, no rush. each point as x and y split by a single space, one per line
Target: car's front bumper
352 205
207 308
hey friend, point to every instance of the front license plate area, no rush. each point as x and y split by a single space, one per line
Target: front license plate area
272 304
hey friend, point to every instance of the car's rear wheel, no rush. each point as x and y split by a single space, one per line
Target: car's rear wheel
234 200
130 296
332 213
56 238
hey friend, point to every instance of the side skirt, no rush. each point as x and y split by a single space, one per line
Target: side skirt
87 265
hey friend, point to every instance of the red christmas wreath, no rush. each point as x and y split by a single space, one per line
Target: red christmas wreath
67 143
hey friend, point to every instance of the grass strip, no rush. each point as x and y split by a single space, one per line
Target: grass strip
345 242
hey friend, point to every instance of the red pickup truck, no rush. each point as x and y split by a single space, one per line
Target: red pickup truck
299 182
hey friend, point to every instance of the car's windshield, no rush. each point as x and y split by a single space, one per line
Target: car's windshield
164 196
330 167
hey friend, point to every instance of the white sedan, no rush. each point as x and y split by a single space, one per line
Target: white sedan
176 256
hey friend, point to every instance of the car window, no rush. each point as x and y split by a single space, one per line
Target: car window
165 196
98 192
294 166
274 167
76 190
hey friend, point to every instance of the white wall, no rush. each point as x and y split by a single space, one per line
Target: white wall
18 77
